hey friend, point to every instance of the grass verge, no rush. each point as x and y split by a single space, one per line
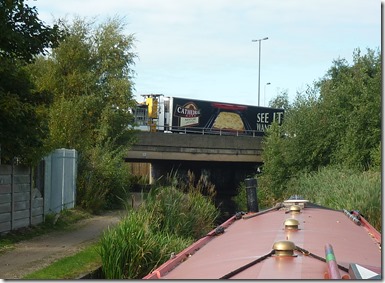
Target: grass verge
70 267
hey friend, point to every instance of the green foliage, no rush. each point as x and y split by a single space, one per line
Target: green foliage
281 101
23 35
376 156
351 96
134 248
89 75
185 215
275 169
167 222
68 123
335 122
240 199
340 188
104 180
70 267
22 127
89 78
22 121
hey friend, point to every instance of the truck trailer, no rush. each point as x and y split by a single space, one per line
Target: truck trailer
187 115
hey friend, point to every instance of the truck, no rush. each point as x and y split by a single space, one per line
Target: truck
188 115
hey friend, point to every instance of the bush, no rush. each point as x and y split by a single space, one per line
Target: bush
103 180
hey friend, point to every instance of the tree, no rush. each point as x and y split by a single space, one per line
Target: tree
22 37
90 77
351 96
337 121
281 101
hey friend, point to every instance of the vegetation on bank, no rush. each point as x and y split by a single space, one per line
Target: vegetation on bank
169 220
340 188
328 148
70 267
332 187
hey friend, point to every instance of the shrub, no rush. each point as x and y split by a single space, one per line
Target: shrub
103 179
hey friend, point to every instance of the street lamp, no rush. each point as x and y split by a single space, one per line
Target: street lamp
259 69
264 94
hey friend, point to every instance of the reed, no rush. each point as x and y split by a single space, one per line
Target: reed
133 249
340 188
168 221
183 214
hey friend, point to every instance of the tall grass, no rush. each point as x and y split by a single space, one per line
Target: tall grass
340 188
333 187
183 214
168 221
134 248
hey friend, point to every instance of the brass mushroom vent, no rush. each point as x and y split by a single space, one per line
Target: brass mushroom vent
284 248
295 209
291 224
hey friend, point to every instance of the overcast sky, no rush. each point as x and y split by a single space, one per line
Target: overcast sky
203 49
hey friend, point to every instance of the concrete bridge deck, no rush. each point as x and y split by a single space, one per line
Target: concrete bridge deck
194 147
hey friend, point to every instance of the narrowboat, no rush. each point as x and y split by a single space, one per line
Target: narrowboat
295 239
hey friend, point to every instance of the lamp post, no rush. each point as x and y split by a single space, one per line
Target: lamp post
259 68
264 94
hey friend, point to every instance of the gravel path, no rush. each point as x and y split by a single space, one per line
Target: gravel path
39 252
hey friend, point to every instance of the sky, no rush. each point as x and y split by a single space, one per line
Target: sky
203 49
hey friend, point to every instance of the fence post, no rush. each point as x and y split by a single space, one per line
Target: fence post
30 195
12 194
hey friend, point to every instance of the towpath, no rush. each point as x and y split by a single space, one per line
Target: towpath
39 252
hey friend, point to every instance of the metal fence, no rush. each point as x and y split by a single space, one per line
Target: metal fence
60 180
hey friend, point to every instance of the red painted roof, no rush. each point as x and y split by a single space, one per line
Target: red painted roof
251 237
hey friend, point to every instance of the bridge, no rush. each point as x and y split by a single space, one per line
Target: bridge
223 160
158 146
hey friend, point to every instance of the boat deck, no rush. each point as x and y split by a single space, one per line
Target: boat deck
250 240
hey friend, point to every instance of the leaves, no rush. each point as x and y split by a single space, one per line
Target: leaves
23 35
22 116
336 121
91 85
89 78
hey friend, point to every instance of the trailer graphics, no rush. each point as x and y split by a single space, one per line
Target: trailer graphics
184 115
188 114
214 117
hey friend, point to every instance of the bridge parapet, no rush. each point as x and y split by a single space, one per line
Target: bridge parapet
192 147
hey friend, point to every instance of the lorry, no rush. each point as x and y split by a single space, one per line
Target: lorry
188 115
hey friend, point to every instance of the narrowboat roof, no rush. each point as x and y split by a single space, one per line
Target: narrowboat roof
295 239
